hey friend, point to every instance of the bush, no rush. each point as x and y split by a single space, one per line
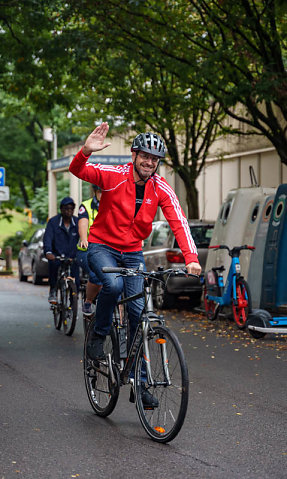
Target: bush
16 241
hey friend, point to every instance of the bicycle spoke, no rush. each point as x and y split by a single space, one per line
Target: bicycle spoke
163 422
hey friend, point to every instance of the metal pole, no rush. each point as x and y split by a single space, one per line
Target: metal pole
55 145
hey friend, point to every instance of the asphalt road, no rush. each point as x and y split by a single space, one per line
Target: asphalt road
236 422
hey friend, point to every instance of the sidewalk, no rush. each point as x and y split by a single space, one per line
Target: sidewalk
3 268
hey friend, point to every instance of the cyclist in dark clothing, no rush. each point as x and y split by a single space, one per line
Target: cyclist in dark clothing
61 238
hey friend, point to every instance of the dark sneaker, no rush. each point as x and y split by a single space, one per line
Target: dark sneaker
148 400
87 309
95 347
52 296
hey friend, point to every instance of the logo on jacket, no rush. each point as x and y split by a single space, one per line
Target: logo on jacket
148 201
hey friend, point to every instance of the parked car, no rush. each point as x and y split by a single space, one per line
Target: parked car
31 260
161 251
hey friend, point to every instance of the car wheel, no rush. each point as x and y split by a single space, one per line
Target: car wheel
161 298
22 277
36 279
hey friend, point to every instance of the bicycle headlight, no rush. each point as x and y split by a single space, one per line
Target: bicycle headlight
237 268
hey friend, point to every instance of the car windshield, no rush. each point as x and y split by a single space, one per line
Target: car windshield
201 236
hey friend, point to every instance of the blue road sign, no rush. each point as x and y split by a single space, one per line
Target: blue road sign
2 176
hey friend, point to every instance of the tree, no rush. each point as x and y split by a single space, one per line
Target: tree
236 49
24 153
196 58
132 90
39 203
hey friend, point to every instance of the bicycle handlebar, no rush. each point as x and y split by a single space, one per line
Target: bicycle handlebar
65 258
152 274
237 248
233 252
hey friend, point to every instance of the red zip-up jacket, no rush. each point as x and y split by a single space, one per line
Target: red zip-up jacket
115 224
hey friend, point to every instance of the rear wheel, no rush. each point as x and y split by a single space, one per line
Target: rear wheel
256 322
242 305
70 308
102 390
211 307
170 385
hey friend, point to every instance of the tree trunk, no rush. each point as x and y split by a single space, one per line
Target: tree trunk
192 201
25 195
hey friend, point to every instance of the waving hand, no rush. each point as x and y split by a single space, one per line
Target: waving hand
96 140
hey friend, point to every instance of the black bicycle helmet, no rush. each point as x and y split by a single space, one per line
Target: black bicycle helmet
150 143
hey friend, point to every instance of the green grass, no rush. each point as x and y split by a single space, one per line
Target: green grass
19 223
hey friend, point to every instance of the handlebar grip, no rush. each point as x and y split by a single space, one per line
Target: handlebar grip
111 269
219 246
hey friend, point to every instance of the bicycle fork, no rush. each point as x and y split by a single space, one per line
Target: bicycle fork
164 359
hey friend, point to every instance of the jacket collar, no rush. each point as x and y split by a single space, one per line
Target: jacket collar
61 220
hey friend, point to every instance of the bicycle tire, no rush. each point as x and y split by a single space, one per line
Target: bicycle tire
164 422
102 394
70 308
243 305
211 308
57 308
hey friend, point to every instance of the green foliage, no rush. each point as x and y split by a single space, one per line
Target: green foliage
24 153
39 204
16 240
172 66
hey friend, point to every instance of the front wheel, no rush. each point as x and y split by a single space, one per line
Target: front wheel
102 390
242 305
70 308
169 385
57 308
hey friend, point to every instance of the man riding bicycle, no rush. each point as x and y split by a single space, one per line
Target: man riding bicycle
61 238
131 194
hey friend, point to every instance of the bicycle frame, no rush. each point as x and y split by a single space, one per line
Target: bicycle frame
229 290
148 317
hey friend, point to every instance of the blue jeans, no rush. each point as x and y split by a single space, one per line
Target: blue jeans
100 255
82 259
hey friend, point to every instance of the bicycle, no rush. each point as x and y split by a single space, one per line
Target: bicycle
234 292
155 352
65 309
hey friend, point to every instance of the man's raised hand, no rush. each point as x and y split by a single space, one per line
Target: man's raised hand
96 140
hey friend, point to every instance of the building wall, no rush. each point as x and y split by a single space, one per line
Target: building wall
232 171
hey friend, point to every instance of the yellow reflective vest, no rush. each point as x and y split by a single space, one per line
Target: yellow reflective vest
92 212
